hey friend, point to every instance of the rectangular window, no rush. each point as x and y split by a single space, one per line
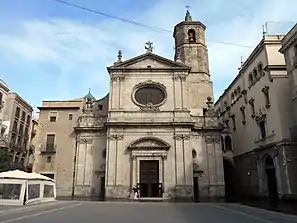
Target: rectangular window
19 143
15 126
25 143
17 112
100 107
21 129
70 116
23 116
50 142
262 129
13 139
53 116
26 132
28 119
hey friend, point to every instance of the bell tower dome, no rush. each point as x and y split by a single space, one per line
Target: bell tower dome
190 49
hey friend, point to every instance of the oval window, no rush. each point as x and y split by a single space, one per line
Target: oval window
149 95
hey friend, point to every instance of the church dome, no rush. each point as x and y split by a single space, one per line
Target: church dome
89 96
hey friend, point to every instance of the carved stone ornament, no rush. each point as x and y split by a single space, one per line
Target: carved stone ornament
242 108
149 107
115 137
85 140
251 101
212 139
182 136
265 89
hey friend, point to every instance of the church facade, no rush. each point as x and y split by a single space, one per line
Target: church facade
156 129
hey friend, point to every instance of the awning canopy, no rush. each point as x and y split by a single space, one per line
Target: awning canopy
18 174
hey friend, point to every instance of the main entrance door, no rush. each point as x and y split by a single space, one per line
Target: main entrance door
149 178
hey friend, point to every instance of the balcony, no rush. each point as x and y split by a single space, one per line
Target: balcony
48 148
90 122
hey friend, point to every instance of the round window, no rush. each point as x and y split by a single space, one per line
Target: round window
149 94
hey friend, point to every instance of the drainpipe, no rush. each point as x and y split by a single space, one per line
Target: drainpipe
74 167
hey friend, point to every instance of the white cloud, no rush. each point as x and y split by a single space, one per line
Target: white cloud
88 48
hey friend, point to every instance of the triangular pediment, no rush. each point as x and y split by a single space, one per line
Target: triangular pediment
149 61
149 142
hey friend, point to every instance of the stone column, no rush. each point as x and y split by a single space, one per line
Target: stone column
118 163
178 92
121 82
179 160
114 92
184 97
134 170
110 178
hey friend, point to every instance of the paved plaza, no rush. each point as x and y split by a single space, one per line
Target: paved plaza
144 212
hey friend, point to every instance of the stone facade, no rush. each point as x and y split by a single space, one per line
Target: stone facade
256 112
103 152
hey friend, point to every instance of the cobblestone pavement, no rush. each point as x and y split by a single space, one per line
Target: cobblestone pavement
106 212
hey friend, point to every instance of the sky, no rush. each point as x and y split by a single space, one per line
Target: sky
52 51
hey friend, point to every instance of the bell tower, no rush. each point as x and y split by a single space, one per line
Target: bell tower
190 49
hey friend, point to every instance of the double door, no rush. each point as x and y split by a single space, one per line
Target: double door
149 178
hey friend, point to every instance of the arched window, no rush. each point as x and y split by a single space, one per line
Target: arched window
251 79
239 90
255 73
232 97
228 143
192 36
194 153
260 69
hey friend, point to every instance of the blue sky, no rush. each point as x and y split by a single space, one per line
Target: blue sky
50 51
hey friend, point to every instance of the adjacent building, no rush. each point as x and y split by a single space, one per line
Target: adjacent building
289 49
156 129
4 143
255 111
15 115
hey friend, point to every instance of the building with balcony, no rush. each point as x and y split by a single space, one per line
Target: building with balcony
156 129
256 113
15 122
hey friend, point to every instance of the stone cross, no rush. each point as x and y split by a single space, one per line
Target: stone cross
149 46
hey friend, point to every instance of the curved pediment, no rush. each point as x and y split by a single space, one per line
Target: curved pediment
3 143
149 143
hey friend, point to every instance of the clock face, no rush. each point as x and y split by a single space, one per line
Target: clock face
149 94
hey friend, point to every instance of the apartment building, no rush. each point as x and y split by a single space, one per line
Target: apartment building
256 112
4 143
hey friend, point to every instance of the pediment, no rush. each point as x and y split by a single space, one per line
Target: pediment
149 143
149 61
3 143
